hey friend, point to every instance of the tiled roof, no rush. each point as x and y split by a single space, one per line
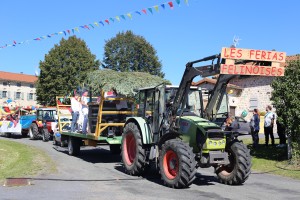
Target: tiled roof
8 76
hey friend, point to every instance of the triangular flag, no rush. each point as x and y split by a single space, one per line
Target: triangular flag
49 36
150 9
123 17
15 42
156 8
65 33
73 31
106 21
101 22
138 12
186 2
69 31
76 29
163 6
92 26
60 32
96 23
118 18
178 2
86 26
171 4
111 19
129 15
82 26
144 11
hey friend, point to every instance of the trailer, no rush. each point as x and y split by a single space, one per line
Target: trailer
105 123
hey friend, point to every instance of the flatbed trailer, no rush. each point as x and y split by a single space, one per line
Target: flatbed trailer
105 124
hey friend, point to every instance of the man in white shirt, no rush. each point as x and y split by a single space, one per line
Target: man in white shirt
76 107
268 125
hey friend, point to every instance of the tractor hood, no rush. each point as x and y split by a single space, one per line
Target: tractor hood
200 122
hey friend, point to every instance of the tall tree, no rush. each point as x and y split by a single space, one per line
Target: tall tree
65 67
286 98
128 52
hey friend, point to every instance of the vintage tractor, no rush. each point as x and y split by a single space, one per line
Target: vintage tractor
43 126
173 129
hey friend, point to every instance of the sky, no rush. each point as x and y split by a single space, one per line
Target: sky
185 33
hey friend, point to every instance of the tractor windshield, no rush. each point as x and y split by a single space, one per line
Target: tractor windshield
46 115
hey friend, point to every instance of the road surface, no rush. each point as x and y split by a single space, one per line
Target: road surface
97 174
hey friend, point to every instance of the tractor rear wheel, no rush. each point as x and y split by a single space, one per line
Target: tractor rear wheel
239 169
74 146
33 132
132 151
46 135
177 164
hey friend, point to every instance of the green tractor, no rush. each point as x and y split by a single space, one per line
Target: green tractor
173 130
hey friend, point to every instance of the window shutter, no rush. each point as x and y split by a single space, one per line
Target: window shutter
27 96
0 94
34 97
14 95
22 95
8 94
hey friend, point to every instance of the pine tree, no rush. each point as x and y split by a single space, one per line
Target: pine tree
64 68
129 53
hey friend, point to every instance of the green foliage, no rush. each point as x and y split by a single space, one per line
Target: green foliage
286 98
65 67
123 82
128 53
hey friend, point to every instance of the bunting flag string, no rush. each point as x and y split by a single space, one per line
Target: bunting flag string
94 25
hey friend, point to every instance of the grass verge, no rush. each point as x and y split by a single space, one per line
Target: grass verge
19 160
271 160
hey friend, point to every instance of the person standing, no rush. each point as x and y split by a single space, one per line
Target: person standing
281 133
85 111
76 108
255 128
268 125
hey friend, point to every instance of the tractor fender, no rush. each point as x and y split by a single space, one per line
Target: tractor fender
144 128
166 137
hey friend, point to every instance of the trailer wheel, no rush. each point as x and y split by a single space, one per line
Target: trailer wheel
115 148
45 135
74 146
132 151
8 135
33 132
24 133
177 164
239 169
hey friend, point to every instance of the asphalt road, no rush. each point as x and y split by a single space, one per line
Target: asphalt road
97 174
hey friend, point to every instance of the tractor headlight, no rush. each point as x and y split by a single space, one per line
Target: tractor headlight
210 142
215 143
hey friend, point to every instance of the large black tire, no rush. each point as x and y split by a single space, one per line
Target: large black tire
239 169
74 146
177 164
33 132
45 135
132 150
115 148
8 135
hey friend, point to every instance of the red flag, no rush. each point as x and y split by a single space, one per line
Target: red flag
144 11
171 4
85 26
106 21
15 42
69 31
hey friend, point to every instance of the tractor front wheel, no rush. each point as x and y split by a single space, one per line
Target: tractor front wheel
177 164
132 151
239 168
46 135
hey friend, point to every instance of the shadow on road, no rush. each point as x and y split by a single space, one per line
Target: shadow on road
93 155
152 175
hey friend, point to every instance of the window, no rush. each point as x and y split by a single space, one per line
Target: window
31 85
4 83
30 96
253 103
18 95
4 94
19 84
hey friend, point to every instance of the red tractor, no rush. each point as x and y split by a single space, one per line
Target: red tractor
44 124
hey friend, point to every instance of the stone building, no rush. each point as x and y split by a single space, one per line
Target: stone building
18 87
